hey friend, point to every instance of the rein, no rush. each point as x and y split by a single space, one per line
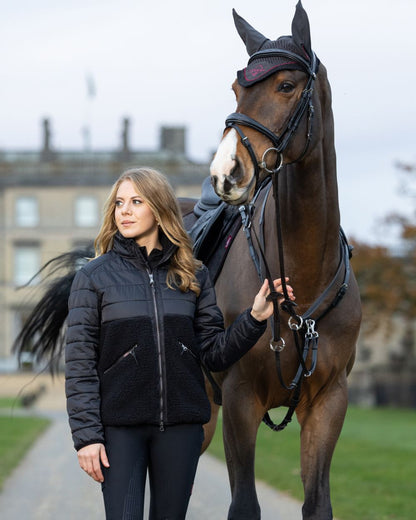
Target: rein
303 327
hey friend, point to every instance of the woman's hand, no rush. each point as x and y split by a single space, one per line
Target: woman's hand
89 458
263 309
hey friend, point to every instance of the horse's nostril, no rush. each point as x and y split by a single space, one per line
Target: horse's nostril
214 180
227 186
235 173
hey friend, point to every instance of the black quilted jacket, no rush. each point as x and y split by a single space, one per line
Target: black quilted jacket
134 345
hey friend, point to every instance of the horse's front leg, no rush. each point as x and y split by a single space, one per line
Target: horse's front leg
241 419
321 425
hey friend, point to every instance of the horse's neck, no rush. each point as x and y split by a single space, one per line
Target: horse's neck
309 216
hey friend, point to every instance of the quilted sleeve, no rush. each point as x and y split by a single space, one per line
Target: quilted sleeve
221 348
81 378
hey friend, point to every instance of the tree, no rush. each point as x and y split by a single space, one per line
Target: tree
382 282
387 279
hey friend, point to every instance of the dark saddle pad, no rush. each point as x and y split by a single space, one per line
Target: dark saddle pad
212 225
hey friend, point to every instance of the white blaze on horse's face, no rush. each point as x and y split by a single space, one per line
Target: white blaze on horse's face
223 168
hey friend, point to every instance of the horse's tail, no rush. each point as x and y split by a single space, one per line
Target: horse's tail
43 333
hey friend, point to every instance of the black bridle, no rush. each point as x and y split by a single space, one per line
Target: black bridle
280 142
303 327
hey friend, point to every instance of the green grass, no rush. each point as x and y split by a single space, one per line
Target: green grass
373 475
17 434
10 402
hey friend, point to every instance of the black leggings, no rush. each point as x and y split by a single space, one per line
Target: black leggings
171 457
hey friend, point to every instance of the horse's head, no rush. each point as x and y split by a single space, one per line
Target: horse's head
272 122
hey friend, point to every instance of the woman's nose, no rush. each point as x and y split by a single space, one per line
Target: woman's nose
126 209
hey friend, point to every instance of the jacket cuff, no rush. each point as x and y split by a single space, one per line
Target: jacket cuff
253 320
79 445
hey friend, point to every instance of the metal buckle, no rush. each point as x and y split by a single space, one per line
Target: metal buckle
245 217
277 346
263 165
310 330
293 325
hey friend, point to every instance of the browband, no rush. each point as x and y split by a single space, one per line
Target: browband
270 53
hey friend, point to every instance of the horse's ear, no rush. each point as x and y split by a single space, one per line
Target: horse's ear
252 38
300 29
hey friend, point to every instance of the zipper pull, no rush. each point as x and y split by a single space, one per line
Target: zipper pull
152 281
133 353
184 349
161 426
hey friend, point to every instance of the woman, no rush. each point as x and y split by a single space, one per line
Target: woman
142 317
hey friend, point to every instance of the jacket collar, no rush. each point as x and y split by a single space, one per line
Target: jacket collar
128 248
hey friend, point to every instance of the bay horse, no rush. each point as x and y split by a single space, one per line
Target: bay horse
283 128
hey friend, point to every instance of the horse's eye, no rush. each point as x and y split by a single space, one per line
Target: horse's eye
285 86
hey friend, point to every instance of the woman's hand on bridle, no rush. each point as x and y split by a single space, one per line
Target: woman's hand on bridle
262 307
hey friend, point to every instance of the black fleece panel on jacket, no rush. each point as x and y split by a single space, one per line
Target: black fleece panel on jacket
134 345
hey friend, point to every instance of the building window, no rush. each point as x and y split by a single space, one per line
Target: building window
27 212
86 211
26 264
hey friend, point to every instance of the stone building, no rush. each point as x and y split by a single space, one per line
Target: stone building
51 201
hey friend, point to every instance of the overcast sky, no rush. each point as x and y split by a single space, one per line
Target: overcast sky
166 62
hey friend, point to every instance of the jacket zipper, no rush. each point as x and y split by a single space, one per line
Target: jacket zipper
159 352
117 361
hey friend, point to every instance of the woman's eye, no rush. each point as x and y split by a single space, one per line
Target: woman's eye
285 87
137 201
118 203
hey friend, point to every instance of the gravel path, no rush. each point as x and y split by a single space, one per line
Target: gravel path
49 485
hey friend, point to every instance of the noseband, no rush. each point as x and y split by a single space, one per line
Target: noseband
280 142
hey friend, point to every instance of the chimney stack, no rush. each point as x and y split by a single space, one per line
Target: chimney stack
172 139
46 151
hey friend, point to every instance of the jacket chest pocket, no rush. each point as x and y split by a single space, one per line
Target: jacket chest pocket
128 356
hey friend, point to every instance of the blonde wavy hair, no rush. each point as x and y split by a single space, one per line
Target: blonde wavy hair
156 191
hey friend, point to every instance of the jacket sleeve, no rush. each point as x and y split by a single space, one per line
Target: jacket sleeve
220 347
81 378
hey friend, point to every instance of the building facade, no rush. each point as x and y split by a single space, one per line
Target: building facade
51 202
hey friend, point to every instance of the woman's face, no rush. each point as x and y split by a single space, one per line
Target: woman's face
134 218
